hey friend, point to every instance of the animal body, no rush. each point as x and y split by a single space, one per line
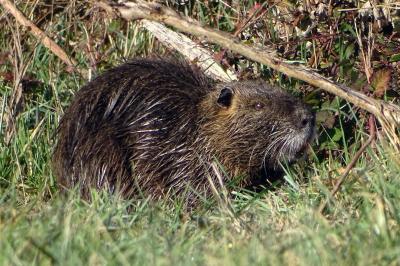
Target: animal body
156 126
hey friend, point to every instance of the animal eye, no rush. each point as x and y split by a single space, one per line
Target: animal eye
258 105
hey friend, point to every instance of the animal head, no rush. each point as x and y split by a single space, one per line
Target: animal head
253 125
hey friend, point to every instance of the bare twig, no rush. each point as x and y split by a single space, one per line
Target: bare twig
257 13
388 114
371 123
39 34
366 53
389 6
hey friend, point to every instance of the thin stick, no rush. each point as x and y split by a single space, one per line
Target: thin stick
350 166
41 35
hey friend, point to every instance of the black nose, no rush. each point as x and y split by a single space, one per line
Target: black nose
306 120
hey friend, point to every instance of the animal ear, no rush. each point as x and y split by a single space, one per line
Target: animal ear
225 97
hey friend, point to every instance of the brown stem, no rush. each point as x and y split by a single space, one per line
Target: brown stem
256 13
371 122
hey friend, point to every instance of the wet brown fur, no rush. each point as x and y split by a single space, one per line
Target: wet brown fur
154 126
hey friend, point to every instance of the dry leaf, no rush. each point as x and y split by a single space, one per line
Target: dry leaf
381 81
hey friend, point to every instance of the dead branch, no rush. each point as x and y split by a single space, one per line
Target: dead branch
192 51
39 34
388 114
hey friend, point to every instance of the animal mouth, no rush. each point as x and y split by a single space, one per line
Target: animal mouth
299 148
302 150
290 148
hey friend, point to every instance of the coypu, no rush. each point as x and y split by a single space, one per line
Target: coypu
155 126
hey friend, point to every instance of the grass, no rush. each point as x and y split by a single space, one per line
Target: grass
278 226
361 228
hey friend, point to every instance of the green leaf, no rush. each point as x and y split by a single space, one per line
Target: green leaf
394 58
337 135
349 51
